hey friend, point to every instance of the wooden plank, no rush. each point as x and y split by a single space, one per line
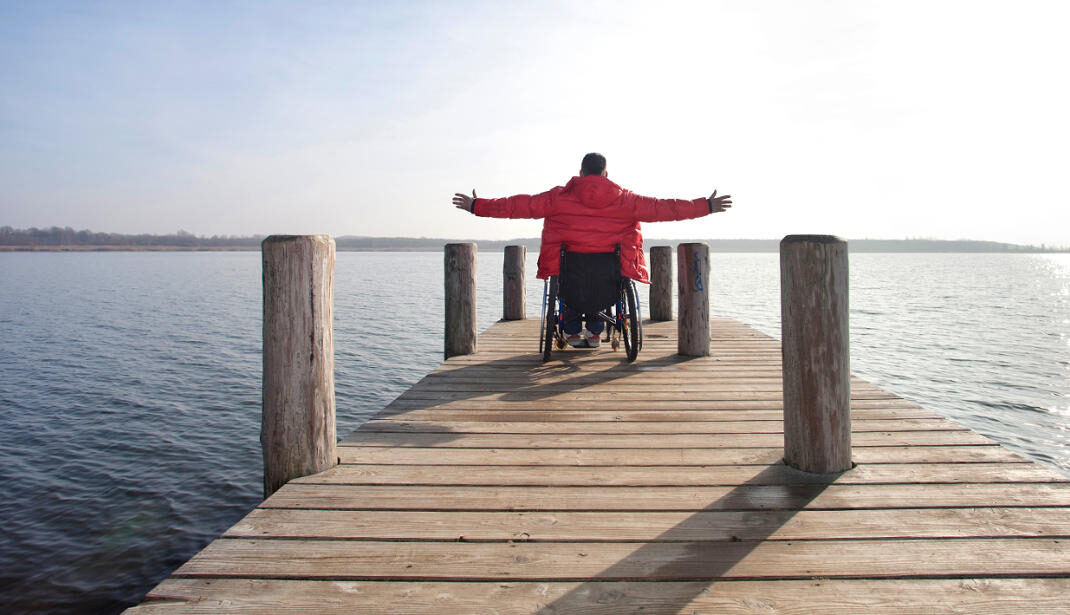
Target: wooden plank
366 560
670 476
611 396
653 347
658 352
655 526
667 368
606 361
660 457
641 427
581 361
891 417
627 374
453 439
623 499
988 596
543 405
617 386
477 375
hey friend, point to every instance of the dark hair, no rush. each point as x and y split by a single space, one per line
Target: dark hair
593 164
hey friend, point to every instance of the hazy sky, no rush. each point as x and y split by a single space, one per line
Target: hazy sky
941 119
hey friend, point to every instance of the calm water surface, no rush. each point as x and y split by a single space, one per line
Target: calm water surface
130 383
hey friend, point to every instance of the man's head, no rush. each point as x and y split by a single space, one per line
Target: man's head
593 164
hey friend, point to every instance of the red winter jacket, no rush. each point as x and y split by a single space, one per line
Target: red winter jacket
592 214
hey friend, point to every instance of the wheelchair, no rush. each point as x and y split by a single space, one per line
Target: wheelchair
591 284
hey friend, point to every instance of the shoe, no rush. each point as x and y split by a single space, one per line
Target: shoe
593 339
576 341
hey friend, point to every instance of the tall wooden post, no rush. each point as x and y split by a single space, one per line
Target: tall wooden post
693 289
460 266
298 433
816 358
514 293
661 283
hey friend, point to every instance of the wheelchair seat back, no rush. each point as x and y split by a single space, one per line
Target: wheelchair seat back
589 282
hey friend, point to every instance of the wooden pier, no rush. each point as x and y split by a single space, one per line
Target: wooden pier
499 484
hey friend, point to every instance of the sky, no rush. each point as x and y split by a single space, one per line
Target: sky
864 119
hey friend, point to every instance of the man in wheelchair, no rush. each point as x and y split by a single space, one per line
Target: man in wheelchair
590 215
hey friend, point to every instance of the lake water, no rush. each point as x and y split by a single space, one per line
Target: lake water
130 383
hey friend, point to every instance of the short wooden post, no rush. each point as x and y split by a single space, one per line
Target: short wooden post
460 265
514 293
661 283
298 433
693 283
816 358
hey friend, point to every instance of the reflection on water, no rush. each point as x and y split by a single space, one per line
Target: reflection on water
130 383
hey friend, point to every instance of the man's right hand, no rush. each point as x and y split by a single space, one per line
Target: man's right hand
463 201
718 203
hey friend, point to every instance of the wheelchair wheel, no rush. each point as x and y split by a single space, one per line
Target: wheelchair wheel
549 321
542 317
633 327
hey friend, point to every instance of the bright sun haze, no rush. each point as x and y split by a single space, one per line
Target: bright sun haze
859 118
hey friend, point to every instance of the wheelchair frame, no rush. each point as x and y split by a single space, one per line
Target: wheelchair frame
623 318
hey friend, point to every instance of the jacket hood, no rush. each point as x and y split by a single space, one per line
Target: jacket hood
593 190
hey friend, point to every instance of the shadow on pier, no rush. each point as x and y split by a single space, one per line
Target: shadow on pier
694 564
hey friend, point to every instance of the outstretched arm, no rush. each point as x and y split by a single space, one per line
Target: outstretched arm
518 206
465 202
648 209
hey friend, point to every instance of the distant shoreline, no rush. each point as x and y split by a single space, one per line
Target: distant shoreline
375 244
56 239
188 249
129 248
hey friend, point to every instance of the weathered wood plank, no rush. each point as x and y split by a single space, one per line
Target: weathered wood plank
453 439
600 360
388 425
602 379
355 560
891 418
670 476
654 526
609 397
660 457
623 499
653 356
988 596
666 366
595 405
561 388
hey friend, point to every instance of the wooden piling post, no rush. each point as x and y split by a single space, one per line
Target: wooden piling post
693 282
298 433
815 351
661 283
460 266
514 293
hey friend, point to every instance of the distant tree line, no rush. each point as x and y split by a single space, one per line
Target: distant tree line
63 238
716 245
67 236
